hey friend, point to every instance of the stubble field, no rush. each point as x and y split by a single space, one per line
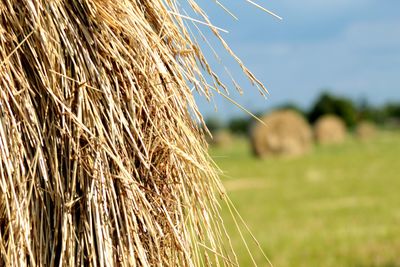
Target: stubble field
337 206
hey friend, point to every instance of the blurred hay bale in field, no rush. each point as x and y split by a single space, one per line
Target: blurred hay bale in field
286 133
221 138
330 129
366 130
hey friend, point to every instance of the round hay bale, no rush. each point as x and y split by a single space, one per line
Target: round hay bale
365 130
286 133
330 129
221 138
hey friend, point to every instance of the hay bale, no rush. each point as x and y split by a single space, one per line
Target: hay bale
365 130
101 161
286 133
330 129
221 138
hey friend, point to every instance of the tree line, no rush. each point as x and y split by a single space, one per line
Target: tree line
350 111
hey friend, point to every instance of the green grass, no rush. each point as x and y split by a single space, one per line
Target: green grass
336 206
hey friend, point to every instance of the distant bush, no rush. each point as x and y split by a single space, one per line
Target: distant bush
239 125
391 113
385 114
392 110
339 106
369 113
214 124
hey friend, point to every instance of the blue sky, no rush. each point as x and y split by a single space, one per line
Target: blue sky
351 48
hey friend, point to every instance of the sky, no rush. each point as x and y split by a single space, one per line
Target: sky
350 48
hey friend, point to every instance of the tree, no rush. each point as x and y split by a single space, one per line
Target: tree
367 112
392 110
239 125
213 124
339 106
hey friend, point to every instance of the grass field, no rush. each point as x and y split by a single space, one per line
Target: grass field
337 206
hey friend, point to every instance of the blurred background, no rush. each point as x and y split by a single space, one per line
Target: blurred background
318 183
